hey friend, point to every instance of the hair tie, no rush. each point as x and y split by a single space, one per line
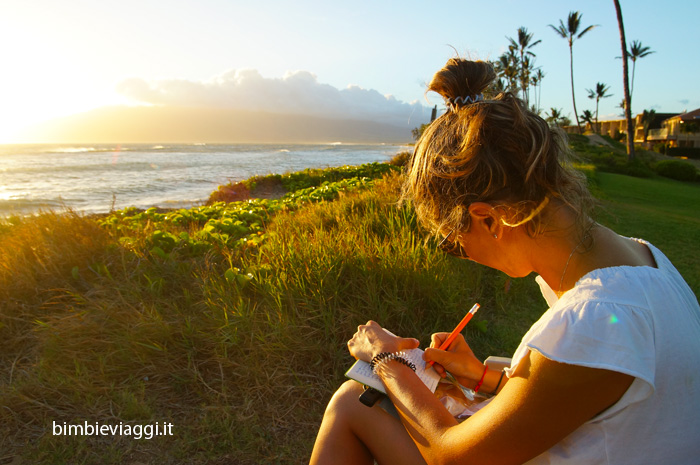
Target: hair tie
454 103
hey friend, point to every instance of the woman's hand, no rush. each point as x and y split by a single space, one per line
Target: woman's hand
370 340
458 359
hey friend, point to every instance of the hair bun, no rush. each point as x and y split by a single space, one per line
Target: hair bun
463 79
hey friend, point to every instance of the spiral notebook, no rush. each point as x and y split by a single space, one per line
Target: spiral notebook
361 372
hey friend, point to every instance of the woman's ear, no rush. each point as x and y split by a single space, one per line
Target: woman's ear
484 216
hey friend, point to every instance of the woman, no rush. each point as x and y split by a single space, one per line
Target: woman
610 374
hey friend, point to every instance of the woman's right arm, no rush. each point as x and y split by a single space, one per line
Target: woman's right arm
543 402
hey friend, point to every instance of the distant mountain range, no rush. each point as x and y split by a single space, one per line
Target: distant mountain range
123 124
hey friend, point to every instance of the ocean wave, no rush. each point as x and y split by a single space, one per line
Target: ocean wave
23 205
106 167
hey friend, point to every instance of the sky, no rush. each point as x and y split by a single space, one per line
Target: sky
366 59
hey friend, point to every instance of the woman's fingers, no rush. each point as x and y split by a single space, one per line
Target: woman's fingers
407 343
371 339
438 356
437 339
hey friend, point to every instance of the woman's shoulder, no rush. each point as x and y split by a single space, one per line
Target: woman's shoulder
643 287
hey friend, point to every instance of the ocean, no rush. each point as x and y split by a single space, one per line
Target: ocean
101 178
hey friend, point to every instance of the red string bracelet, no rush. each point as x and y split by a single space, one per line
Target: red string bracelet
481 381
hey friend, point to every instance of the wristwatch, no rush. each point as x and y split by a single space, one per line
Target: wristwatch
370 396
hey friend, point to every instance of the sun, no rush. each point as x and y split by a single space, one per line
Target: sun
39 82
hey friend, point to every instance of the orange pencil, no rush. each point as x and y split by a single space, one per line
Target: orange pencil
445 345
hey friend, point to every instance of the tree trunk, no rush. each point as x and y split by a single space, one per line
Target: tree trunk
522 76
625 75
634 65
573 95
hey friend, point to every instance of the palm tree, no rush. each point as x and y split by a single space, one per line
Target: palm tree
524 75
587 117
569 31
647 119
554 116
600 92
507 66
625 80
498 86
537 82
637 51
523 46
534 81
621 106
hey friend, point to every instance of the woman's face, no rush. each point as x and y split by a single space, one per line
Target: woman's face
500 252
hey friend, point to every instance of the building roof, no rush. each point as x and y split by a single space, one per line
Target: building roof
690 116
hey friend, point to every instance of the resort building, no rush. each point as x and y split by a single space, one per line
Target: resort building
671 129
678 131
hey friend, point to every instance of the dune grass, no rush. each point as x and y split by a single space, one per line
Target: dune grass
230 322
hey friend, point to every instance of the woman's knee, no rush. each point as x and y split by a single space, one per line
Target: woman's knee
345 400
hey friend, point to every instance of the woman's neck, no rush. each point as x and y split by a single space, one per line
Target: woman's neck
561 254
571 256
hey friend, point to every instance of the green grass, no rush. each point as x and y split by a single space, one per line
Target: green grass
662 211
231 320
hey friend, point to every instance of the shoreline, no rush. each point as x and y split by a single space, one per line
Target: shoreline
100 178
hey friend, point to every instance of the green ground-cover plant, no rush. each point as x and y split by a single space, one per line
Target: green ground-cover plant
230 320
221 225
292 182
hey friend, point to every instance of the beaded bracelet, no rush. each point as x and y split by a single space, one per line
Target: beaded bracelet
481 381
384 357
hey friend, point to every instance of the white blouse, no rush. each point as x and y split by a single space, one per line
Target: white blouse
641 321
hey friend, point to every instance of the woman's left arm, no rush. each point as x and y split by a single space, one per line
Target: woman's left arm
541 404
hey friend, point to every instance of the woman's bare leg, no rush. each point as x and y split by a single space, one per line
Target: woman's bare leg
352 433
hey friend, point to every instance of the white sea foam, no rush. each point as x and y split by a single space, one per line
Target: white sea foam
73 150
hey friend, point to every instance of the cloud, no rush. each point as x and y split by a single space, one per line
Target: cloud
684 101
297 92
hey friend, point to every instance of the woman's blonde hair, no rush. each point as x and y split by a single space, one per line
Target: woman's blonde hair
489 150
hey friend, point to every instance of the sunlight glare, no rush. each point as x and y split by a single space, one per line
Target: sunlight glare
43 84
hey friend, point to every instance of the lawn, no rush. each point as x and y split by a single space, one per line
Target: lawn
662 211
